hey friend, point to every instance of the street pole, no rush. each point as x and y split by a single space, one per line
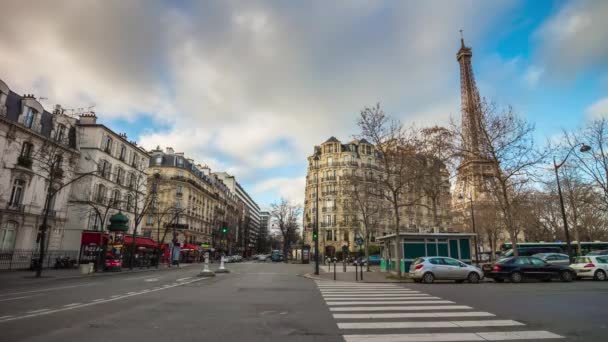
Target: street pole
474 231
561 203
316 229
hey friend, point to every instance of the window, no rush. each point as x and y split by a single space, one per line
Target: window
135 161
129 202
105 168
522 261
107 144
58 162
123 152
602 260
17 193
131 180
120 176
436 261
116 198
30 115
26 149
451 262
537 262
346 236
101 193
94 222
178 204
179 190
328 236
180 161
7 235
150 220
60 133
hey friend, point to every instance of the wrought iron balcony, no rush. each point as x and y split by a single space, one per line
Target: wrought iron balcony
24 161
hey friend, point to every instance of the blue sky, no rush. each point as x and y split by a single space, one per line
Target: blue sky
250 87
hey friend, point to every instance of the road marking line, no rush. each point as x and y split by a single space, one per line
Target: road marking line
182 279
73 304
42 312
518 335
433 324
39 310
130 293
151 280
114 296
97 300
15 298
44 290
367 292
401 308
395 302
414 315
387 300
443 337
374 294
7 316
406 295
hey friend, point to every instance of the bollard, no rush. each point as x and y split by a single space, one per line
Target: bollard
222 268
344 262
356 273
361 270
206 272
334 269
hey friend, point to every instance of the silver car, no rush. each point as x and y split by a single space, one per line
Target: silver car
429 269
554 258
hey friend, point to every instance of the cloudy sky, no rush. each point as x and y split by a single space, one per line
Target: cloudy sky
251 86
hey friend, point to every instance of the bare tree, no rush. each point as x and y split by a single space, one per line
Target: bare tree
506 141
285 215
368 205
398 160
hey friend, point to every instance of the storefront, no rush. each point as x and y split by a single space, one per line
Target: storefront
414 245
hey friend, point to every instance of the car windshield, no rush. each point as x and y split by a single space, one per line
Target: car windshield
505 260
582 260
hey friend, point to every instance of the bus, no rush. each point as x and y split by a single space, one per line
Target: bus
586 247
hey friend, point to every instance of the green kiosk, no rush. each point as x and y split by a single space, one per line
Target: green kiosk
414 245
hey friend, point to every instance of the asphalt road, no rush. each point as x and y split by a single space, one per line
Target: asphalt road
271 302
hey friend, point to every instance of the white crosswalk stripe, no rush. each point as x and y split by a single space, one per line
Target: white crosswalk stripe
392 313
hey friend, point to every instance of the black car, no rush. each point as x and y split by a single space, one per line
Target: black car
518 268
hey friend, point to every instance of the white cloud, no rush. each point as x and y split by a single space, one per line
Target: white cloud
575 37
533 75
243 86
598 108
290 188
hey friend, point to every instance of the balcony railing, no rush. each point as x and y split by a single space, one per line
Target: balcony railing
326 209
15 207
349 163
24 162
327 224
328 178
329 193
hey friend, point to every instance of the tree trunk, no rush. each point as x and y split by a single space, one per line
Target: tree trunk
398 237
435 218
367 248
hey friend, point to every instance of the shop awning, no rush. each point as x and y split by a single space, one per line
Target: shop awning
140 242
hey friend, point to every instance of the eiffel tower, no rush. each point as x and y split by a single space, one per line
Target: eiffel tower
475 167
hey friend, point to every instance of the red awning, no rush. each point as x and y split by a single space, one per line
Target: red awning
89 238
140 242
188 246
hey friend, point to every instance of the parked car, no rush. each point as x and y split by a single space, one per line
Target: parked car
591 266
554 258
360 261
517 269
600 252
262 257
277 257
374 259
429 269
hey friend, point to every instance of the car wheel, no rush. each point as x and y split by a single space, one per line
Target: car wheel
516 277
473 278
599 275
428 278
498 280
566 276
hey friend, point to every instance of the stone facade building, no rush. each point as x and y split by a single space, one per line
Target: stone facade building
33 144
116 181
339 216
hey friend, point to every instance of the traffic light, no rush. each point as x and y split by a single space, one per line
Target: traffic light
224 230
315 235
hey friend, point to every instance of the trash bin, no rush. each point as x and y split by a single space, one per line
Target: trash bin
86 268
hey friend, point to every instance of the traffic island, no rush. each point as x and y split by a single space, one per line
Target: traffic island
206 272
222 268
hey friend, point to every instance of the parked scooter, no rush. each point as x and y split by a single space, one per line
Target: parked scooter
64 262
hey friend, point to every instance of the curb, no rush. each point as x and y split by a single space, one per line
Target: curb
311 276
44 278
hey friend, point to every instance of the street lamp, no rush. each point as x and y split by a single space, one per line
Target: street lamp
470 198
315 232
584 148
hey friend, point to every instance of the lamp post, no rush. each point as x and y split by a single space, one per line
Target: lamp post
470 198
315 232
556 166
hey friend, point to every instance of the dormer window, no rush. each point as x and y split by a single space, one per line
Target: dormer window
180 161
2 103
159 160
30 116
60 133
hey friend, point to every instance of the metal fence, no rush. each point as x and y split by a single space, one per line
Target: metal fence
23 259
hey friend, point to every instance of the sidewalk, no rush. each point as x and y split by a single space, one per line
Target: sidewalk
10 279
374 276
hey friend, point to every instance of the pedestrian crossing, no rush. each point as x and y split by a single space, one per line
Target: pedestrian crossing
392 313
